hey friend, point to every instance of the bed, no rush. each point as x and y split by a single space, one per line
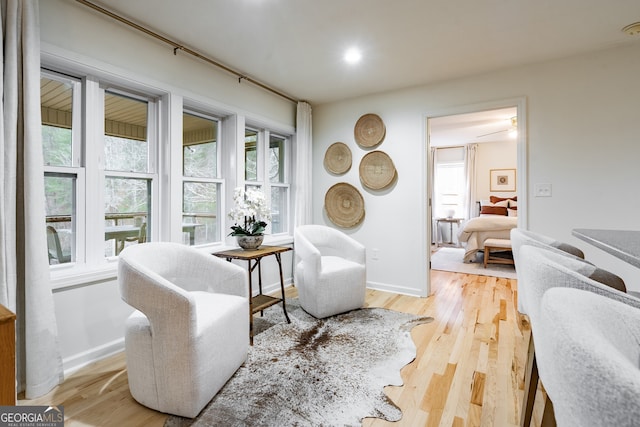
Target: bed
496 219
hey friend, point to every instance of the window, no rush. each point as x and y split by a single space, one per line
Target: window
128 170
201 185
266 168
449 183
102 167
59 99
278 184
99 167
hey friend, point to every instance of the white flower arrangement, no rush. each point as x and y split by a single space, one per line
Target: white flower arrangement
249 213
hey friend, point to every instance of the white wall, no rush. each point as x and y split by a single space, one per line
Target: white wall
582 138
494 155
583 127
89 311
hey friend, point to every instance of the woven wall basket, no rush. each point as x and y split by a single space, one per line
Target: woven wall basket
337 159
377 170
369 130
344 205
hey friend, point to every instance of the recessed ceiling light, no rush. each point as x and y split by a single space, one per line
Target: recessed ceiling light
353 55
632 29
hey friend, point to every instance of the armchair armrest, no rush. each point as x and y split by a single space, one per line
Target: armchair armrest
308 253
200 271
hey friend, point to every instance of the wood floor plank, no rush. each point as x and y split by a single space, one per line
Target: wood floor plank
468 369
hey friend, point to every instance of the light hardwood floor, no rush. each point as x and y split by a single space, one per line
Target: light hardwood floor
469 368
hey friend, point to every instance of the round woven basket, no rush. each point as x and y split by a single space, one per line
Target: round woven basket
337 159
377 170
344 205
369 130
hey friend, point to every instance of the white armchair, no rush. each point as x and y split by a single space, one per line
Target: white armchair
330 270
520 238
190 332
588 355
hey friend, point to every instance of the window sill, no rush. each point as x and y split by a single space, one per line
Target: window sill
78 276
67 277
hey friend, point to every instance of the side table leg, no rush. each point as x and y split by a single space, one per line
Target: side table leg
250 306
284 307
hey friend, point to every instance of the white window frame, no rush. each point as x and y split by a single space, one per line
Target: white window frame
152 168
286 168
75 170
262 182
218 179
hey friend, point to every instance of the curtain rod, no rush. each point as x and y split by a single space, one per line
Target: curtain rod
177 46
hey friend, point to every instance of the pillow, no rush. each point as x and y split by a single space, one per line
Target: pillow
496 199
513 203
499 201
493 210
609 279
512 211
570 249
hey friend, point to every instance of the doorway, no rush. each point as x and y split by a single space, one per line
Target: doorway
498 131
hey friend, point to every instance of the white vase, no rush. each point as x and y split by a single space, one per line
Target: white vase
249 243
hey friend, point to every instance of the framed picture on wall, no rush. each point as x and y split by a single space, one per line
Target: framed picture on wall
502 179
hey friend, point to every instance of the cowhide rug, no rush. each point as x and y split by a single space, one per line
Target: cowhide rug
312 372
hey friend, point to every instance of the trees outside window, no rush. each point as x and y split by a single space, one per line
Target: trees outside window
267 169
201 183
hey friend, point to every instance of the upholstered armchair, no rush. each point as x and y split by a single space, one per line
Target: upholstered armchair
330 271
520 237
541 268
190 332
588 355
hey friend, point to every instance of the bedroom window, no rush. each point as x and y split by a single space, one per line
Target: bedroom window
449 186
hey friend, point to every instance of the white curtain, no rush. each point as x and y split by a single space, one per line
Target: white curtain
434 196
470 207
303 213
25 287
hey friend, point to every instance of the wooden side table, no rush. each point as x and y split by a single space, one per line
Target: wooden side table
253 257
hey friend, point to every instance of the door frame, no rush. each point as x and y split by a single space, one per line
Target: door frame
520 103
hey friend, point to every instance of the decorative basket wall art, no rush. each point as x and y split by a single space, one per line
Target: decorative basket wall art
337 159
369 130
377 170
344 205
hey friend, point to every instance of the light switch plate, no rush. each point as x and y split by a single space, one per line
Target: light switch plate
542 190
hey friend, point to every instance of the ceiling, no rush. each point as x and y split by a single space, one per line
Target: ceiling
482 126
296 46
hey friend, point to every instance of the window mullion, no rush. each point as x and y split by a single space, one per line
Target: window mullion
92 201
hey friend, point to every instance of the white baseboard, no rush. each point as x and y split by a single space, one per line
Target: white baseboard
395 289
74 363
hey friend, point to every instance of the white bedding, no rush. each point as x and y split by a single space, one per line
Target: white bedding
475 231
